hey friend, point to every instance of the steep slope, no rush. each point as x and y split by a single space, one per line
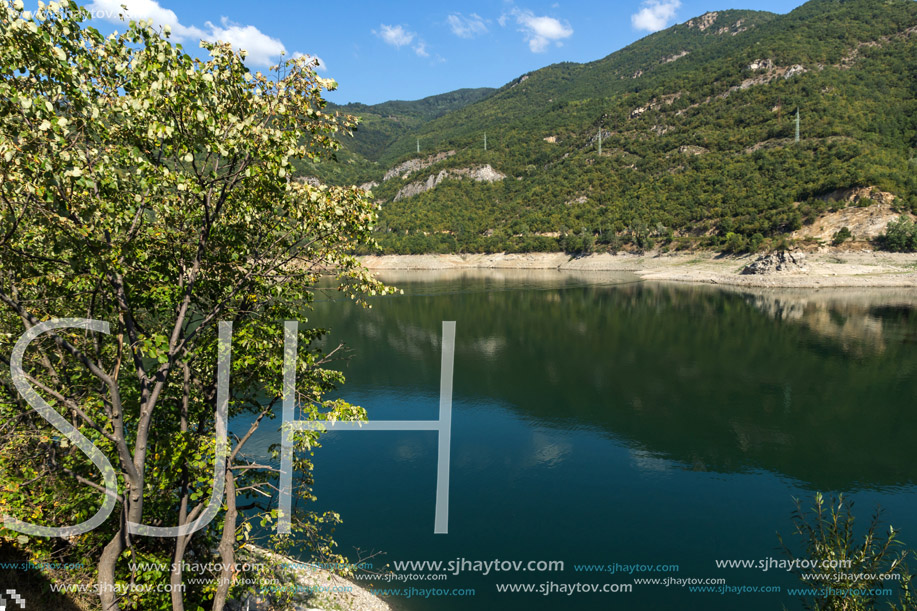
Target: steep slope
643 65
697 128
382 124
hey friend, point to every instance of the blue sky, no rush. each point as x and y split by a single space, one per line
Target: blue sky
410 49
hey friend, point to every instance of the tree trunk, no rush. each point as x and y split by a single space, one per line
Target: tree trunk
227 544
132 510
181 542
107 564
175 578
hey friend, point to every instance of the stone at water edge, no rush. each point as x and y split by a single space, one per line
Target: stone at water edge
777 262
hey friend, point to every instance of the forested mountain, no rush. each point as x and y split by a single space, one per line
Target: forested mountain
384 123
697 127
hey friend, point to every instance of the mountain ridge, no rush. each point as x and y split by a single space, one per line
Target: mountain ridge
697 125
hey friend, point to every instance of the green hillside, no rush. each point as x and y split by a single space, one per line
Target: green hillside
381 126
698 129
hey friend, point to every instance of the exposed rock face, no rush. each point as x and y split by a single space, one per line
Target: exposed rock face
582 199
402 170
778 262
855 194
768 74
761 64
655 103
672 58
864 211
794 70
369 186
707 20
864 224
734 29
690 149
483 173
704 21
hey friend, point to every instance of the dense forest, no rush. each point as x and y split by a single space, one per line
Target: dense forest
685 139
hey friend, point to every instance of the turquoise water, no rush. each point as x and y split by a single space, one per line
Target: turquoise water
601 420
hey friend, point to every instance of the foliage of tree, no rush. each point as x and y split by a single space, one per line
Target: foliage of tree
152 190
841 235
828 534
900 235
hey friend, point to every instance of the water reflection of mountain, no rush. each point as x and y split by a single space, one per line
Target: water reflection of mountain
857 320
815 386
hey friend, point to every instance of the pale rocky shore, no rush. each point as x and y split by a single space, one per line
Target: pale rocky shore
310 587
823 269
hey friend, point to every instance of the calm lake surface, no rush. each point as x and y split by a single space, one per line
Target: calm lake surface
599 420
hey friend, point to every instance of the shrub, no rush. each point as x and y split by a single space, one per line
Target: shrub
735 243
841 236
829 539
900 236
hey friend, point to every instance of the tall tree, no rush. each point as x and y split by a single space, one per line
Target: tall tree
151 190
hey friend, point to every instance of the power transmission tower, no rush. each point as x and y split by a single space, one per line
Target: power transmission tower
797 125
485 141
600 140
418 145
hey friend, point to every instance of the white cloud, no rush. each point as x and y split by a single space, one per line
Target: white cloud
540 32
655 14
421 49
109 10
262 49
396 35
399 36
466 27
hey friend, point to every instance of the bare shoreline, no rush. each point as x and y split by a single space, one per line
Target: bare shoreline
826 269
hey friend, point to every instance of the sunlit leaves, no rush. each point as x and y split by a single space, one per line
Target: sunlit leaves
152 190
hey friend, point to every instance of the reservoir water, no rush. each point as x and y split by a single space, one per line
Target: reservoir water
600 420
